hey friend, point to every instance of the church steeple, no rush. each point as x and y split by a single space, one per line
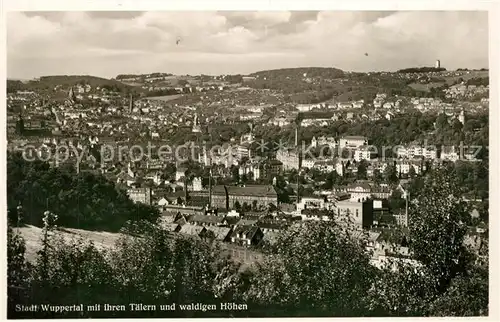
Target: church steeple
196 125
71 95
20 124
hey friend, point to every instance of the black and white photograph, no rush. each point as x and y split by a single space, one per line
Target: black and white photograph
247 163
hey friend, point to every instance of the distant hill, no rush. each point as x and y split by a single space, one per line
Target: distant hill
315 85
324 72
303 84
49 82
422 70
14 86
126 76
83 79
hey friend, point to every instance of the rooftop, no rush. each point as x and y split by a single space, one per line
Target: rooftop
354 137
253 190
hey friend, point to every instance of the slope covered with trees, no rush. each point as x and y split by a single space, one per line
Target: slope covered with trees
84 201
49 82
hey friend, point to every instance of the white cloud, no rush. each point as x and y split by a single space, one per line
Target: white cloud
241 41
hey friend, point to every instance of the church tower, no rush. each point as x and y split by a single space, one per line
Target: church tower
196 125
461 117
71 95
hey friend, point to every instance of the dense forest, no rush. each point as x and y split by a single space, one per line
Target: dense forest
49 82
82 200
478 81
15 85
438 129
332 85
323 72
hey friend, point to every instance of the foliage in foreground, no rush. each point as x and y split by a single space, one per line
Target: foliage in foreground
314 269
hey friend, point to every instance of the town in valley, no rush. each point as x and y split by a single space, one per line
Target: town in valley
193 188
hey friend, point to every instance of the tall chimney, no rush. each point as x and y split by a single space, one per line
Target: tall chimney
405 223
185 190
210 188
298 188
296 136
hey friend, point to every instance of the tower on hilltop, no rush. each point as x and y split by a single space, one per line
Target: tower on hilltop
438 63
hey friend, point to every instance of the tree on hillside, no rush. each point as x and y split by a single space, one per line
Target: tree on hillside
437 230
465 296
400 289
237 205
378 178
84 200
317 269
157 268
169 171
390 174
18 272
412 172
446 279
362 169
152 268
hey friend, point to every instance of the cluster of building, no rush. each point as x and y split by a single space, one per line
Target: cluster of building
466 91
237 213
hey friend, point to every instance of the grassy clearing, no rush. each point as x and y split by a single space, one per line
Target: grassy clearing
425 87
449 80
33 238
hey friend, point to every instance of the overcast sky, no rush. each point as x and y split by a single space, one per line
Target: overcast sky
111 43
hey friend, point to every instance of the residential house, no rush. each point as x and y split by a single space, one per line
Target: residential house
197 184
360 213
449 153
403 167
219 196
362 190
311 203
230 220
263 195
325 165
344 105
140 195
206 220
167 221
180 173
246 222
247 235
193 231
306 107
289 159
308 163
352 141
270 226
365 152
221 234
